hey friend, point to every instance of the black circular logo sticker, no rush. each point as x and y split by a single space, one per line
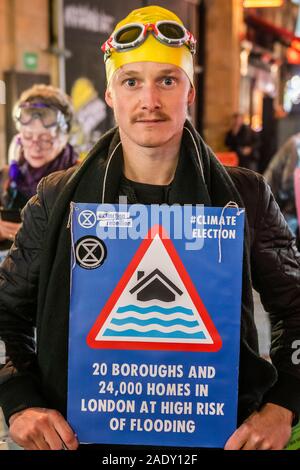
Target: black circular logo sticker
90 252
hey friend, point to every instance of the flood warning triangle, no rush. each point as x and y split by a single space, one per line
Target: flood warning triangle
155 305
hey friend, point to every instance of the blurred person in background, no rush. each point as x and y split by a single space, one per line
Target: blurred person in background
280 176
43 117
244 141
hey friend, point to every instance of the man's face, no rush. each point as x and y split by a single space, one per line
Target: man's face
150 102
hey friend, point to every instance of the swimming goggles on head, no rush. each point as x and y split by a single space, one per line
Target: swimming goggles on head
133 35
49 115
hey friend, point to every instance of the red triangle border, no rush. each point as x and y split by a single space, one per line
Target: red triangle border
140 345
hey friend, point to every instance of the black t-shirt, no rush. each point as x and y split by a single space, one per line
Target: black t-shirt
148 193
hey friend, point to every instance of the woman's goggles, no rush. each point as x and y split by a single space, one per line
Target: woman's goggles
133 35
47 114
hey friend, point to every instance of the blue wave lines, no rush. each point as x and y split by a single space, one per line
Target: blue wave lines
154 308
155 322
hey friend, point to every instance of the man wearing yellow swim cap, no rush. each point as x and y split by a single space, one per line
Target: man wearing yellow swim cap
153 156
149 66
130 42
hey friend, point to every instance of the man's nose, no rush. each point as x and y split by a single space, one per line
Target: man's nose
150 98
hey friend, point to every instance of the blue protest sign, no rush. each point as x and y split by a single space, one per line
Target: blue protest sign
155 324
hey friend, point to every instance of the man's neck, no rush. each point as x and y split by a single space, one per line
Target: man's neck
148 165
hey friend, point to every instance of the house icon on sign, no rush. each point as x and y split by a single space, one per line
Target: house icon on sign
155 286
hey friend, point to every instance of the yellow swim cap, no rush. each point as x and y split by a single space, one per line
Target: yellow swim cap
151 50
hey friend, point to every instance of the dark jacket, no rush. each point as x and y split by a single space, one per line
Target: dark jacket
10 209
34 280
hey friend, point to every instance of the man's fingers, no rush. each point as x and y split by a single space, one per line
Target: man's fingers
42 428
238 438
56 432
10 224
31 445
253 443
266 445
8 230
53 439
270 428
65 432
39 441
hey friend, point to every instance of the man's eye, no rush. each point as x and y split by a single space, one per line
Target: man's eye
131 82
168 81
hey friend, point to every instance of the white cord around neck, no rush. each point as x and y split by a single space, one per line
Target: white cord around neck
197 152
106 171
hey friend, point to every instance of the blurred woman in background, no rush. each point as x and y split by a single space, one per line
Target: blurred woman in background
43 117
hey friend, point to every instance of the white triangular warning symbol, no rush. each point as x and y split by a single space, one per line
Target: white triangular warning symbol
155 305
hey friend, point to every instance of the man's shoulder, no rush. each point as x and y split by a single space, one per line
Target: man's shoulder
59 177
51 186
244 179
252 188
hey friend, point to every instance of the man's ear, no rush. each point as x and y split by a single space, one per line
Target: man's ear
108 97
191 95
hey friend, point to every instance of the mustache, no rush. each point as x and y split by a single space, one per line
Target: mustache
158 116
